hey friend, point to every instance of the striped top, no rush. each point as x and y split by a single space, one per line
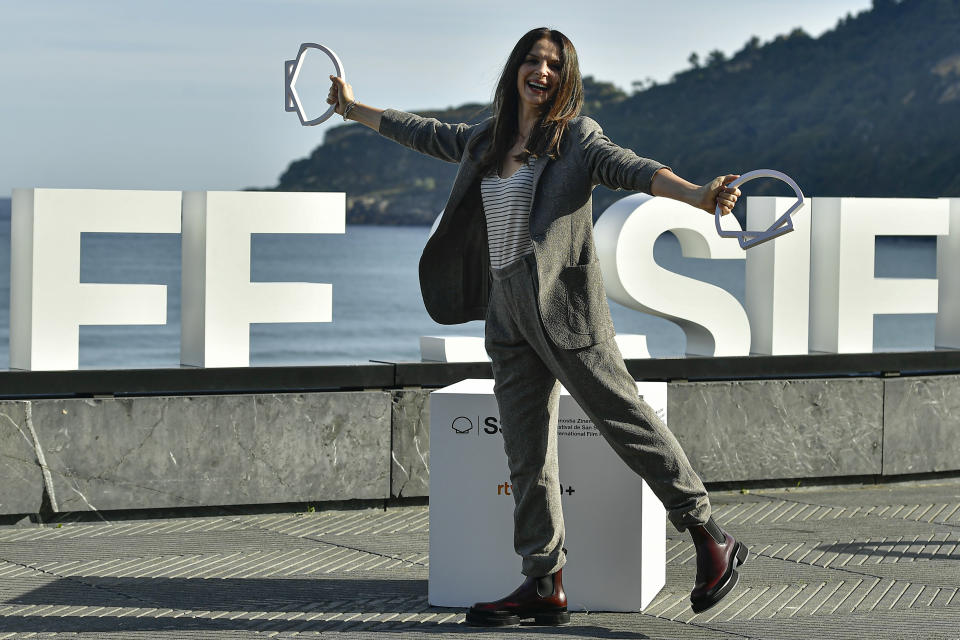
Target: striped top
506 206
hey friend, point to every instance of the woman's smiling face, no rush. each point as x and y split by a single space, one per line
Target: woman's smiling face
539 75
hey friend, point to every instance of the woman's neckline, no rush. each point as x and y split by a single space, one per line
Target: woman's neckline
529 162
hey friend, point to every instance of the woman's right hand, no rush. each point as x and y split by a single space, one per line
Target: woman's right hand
340 95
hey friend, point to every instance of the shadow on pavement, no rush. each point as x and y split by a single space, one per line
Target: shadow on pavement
343 604
226 594
895 549
108 624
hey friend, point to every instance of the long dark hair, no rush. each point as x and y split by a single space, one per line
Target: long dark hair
562 107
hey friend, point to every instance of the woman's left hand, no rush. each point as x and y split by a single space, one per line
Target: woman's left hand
717 192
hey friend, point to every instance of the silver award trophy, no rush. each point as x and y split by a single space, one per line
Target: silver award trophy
780 226
291 71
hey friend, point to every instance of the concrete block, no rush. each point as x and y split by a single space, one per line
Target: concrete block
21 482
921 424
216 450
769 429
410 455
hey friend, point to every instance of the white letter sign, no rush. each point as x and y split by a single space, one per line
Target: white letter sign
714 322
778 281
948 275
48 303
219 301
844 294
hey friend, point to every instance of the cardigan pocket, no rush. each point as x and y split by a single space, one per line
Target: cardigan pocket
587 309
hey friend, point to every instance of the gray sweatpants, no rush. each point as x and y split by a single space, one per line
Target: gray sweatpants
528 369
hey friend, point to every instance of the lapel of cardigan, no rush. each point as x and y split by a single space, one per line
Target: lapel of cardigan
538 166
466 175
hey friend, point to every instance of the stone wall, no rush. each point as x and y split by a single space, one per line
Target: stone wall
178 451
175 451
410 452
921 420
774 429
21 480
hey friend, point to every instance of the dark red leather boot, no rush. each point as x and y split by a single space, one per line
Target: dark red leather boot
718 556
542 599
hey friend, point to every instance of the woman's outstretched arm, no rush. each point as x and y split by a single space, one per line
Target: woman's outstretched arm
668 184
427 135
619 168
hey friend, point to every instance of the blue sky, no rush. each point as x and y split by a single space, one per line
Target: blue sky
174 94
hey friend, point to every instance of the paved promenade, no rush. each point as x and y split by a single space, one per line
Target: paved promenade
862 562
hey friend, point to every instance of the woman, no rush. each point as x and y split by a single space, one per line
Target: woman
515 247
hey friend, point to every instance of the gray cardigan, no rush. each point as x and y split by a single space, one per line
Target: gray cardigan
454 268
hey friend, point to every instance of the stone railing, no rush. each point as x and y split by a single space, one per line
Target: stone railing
130 439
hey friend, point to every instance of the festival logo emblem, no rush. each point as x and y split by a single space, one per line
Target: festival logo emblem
462 425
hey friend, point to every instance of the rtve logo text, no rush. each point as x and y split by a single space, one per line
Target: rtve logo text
506 489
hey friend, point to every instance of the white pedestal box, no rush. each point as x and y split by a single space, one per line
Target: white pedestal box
471 349
615 526
452 349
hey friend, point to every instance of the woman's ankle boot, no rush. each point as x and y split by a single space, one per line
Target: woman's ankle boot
542 599
718 556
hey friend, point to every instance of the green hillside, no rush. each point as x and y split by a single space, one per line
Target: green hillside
870 108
